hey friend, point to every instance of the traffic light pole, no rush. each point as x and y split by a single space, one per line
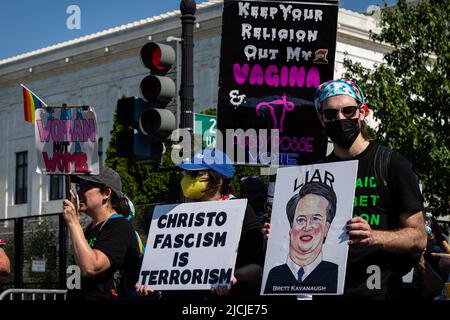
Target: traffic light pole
187 8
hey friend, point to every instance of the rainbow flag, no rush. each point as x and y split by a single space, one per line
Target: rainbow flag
31 102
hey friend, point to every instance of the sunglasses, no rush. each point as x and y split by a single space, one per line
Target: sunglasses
86 186
331 114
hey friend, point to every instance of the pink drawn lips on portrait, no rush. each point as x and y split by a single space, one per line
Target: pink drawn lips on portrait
306 238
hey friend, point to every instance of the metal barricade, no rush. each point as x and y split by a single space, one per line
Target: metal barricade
24 293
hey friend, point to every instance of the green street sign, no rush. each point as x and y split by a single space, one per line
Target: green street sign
206 125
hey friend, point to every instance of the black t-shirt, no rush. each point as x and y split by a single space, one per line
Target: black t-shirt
250 251
404 195
117 239
251 241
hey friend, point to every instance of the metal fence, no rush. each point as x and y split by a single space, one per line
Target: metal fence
33 294
38 251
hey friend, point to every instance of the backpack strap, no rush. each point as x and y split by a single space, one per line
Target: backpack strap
382 159
381 162
114 216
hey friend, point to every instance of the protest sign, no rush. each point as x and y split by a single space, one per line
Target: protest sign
308 245
192 245
66 141
274 55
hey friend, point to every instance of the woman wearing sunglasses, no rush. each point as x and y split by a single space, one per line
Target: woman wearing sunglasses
108 251
208 178
387 230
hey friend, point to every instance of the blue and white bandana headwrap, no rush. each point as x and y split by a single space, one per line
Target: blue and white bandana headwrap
338 87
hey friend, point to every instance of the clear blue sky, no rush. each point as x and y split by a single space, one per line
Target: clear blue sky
27 25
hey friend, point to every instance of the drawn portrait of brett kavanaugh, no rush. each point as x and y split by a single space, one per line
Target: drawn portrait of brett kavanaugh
310 213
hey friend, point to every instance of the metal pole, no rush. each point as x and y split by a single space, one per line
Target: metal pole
187 8
18 253
64 106
62 253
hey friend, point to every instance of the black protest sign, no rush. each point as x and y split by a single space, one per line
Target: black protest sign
274 55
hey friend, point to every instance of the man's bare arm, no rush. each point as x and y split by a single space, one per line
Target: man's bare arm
411 236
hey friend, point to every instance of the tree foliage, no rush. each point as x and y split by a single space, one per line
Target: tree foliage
409 93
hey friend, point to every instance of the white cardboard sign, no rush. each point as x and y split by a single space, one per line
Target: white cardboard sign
308 245
66 141
192 246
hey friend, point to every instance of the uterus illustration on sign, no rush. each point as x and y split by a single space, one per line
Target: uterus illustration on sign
270 105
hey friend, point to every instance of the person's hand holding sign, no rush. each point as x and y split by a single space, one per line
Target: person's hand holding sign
223 290
70 211
266 230
360 231
412 229
143 290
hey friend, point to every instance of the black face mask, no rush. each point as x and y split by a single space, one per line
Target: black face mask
343 132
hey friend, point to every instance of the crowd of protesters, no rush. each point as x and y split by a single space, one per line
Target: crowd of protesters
109 251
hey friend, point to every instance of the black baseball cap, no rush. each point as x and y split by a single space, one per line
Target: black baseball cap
107 177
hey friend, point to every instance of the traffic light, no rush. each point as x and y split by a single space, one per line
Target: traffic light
133 141
156 122
149 123
158 89
124 136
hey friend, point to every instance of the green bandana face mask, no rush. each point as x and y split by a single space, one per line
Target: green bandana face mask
193 187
